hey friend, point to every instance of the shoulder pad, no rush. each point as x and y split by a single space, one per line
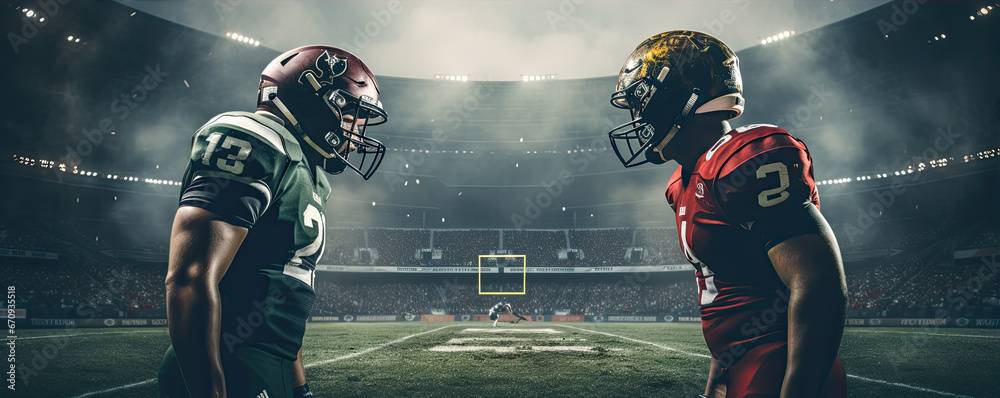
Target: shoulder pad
260 127
743 142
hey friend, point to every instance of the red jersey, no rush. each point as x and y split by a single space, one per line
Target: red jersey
752 173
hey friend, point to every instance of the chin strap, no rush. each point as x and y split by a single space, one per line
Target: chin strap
322 153
272 96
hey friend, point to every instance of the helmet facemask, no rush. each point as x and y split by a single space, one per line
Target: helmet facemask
640 136
350 136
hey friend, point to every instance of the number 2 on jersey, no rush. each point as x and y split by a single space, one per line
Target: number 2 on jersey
765 198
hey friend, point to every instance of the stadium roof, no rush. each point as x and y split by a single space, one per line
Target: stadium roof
498 40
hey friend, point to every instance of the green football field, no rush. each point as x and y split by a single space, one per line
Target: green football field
528 359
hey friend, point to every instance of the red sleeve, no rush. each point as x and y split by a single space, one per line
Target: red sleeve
766 177
671 192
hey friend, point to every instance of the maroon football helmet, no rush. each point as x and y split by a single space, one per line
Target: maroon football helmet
329 96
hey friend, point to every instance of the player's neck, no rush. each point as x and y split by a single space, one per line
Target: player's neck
699 139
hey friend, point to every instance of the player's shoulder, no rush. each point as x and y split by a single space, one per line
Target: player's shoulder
742 144
257 128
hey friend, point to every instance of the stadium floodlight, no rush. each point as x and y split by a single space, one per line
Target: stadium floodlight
763 41
77 40
29 13
70 38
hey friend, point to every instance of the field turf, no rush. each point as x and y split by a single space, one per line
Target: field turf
530 359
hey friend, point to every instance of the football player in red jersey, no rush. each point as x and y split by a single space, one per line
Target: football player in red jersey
770 278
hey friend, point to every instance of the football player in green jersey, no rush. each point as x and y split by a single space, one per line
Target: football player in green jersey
251 225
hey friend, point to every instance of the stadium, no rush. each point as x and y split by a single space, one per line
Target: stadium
501 189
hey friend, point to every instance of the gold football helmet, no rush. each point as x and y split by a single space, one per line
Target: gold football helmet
666 78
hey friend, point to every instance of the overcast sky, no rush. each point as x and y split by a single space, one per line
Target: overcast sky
497 40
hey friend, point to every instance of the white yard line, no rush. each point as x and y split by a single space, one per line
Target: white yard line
889 383
323 362
367 350
639 341
514 331
463 340
461 348
119 388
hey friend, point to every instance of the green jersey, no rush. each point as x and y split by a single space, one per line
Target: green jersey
250 170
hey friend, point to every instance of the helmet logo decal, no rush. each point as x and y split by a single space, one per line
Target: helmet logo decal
336 64
328 66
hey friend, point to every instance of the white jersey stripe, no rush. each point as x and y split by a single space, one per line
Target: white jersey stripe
255 127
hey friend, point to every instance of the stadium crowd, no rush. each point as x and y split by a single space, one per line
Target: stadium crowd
586 298
922 278
541 247
600 247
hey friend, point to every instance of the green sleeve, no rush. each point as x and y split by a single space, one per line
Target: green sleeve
223 152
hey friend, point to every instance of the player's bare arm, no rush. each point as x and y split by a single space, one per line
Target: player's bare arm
300 371
716 387
202 246
811 267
